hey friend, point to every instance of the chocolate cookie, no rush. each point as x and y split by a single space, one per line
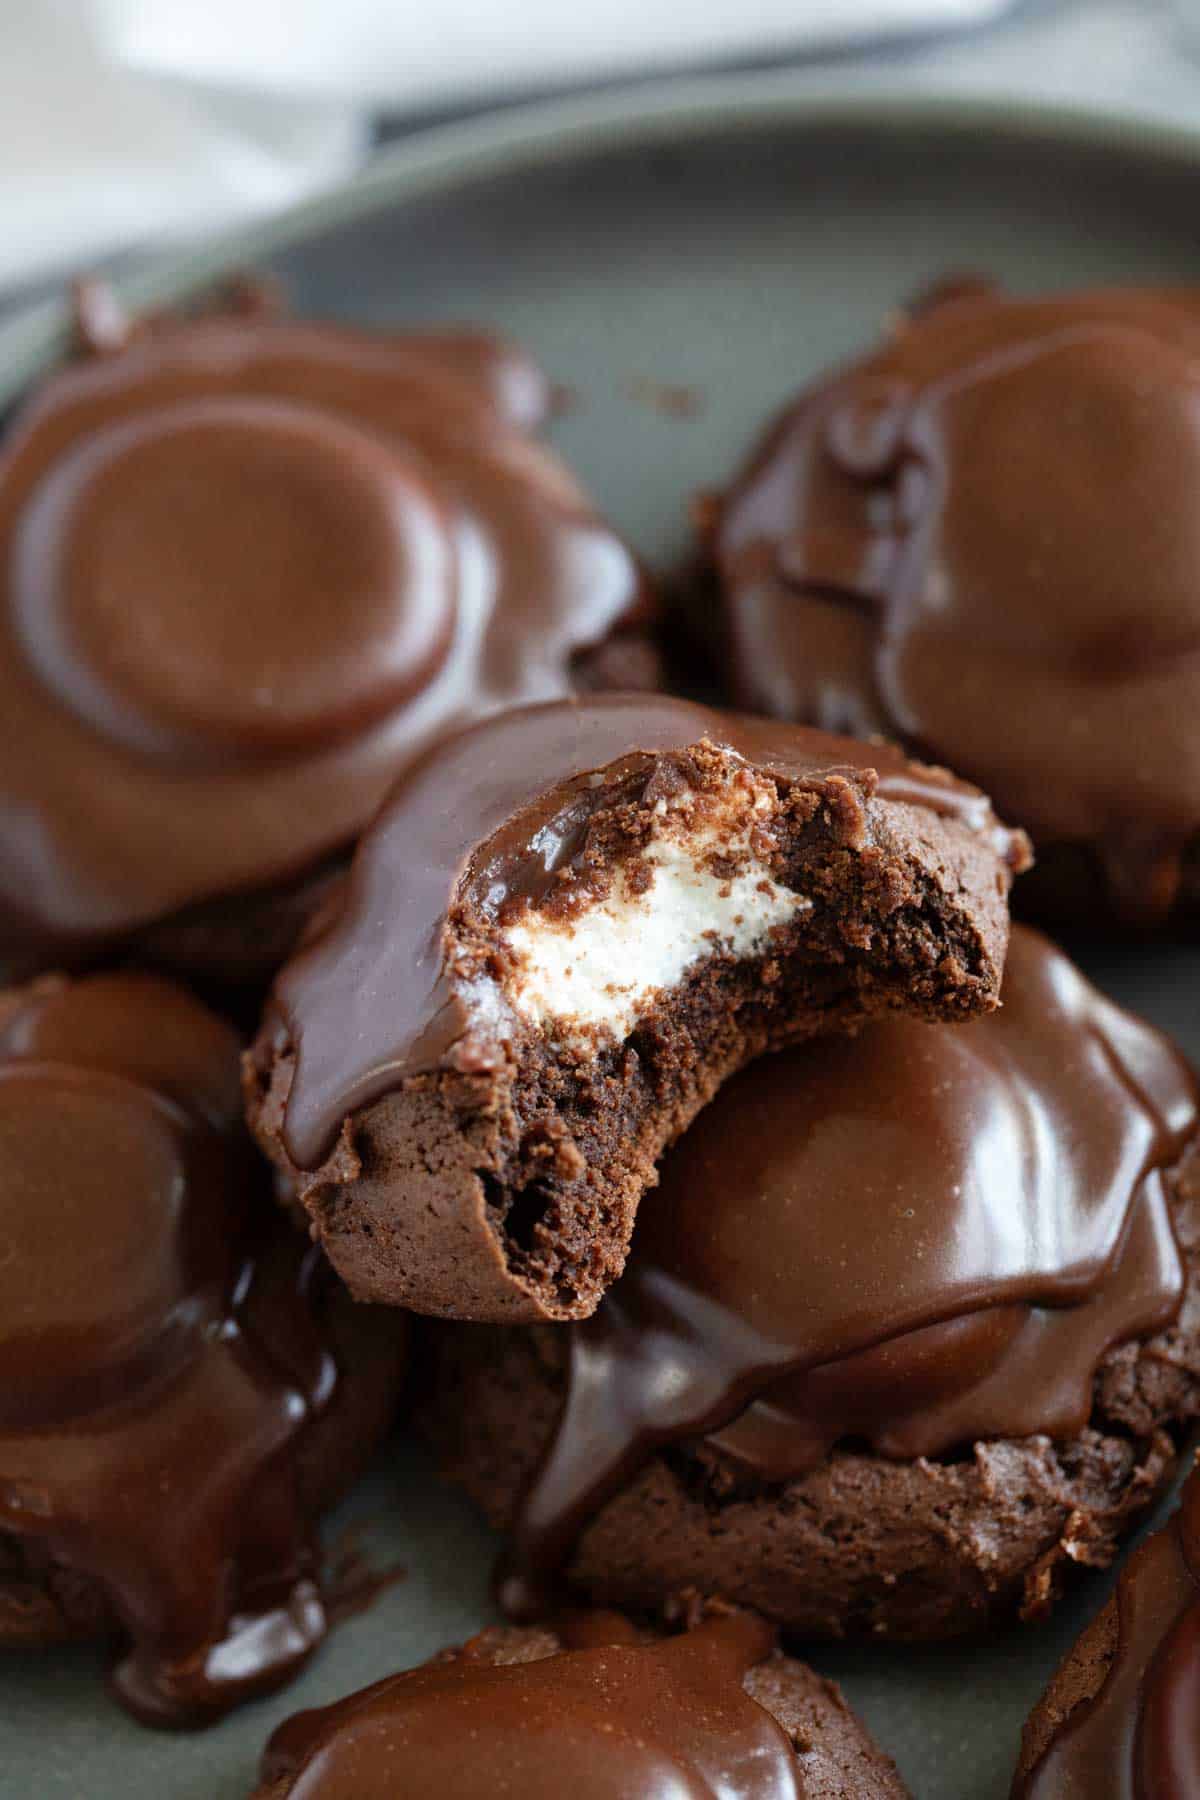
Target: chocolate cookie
251 568
1118 1720
564 930
593 1708
909 1325
183 1386
980 539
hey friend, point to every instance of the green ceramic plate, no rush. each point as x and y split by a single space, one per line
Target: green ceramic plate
727 237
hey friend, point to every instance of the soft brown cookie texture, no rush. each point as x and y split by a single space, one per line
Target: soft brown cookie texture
566 928
911 1324
864 1545
1076 1681
829 1753
1118 1718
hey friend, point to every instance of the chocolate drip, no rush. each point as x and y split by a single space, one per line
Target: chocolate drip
1138 1738
911 1238
250 569
665 1720
987 521
368 1003
161 1358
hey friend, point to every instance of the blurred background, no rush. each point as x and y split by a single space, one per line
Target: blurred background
128 125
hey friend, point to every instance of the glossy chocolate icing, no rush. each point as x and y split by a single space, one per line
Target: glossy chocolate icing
369 1002
607 1716
161 1353
982 539
1138 1738
249 569
911 1238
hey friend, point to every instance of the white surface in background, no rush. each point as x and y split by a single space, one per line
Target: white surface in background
409 55
127 121
94 156
1139 55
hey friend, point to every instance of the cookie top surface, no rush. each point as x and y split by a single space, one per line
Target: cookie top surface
989 520
601 1712
911 1239
496 822
1131 1735
250 567
160 1355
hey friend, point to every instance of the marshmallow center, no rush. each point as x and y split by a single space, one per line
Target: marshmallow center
602 966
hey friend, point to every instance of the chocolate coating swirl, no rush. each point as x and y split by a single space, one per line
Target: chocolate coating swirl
981 539
248 569
605 1716
166 1355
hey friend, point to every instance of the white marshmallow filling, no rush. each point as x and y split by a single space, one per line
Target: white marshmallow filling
602 965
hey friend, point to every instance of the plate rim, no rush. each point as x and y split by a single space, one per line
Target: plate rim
643 114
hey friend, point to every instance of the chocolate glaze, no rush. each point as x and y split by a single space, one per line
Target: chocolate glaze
161 1355
1138 1738
988 524
249 568
607 1716
370 1003
911 1238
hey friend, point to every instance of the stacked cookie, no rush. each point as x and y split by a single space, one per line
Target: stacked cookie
925 1298
773 1245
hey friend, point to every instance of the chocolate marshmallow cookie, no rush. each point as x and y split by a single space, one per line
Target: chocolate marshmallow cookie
564 930
249 568
182 1385
981 540
591 1708
909 1325
1119 1719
